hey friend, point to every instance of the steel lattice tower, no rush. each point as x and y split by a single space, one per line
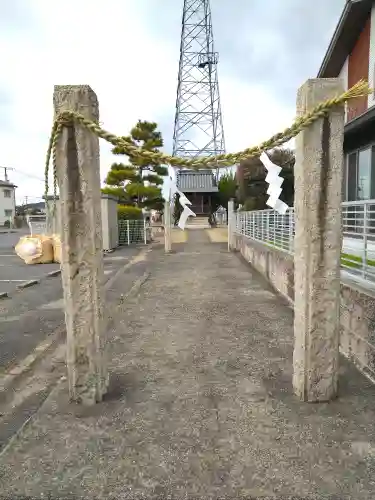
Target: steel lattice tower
198 128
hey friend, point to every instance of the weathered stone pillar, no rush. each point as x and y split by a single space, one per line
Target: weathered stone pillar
167 227
231 223
318 176
53 214
81 237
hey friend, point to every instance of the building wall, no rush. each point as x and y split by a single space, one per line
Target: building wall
371 71
200 203
7 204
360 64
358 68
110 231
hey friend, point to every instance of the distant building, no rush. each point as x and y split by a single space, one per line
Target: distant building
7 202
199 187
351 57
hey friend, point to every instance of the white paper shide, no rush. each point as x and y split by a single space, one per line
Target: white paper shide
275 182
184 202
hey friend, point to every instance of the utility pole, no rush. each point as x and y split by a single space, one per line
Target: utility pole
6 173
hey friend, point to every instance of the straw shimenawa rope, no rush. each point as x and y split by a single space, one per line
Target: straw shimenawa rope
67 118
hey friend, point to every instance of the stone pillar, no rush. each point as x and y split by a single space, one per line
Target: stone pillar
77 157
53 210
231 223
317 245
167 227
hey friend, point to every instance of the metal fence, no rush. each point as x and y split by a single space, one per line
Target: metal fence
133 231
358 249
268 227
358 223
130 231
41 224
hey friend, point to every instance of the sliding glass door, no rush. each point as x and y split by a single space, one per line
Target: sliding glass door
360 186
360 175
364 175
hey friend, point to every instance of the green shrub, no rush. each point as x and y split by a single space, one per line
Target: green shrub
127 212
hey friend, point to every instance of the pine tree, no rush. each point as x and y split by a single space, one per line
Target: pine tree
138 183
227 188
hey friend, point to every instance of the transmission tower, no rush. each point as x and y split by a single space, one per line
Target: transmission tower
198 128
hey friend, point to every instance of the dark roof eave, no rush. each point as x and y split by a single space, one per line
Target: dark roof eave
201 190
360 121
350 25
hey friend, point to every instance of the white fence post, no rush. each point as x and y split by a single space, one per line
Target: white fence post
167 227
128 231
231 224
365 231
144 231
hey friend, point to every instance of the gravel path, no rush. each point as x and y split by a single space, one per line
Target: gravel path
201 403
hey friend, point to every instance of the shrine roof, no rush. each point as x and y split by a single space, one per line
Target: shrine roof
192 181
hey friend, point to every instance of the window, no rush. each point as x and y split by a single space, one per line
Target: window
360 175
352 177
7 193
8 213
364 175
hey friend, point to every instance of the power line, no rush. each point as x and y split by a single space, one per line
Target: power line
6 169
28 175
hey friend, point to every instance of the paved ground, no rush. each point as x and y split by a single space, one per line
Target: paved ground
201 404
33 313
13 270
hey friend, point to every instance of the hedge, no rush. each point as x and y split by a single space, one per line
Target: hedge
126 212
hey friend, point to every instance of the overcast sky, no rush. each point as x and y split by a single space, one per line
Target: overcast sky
128 50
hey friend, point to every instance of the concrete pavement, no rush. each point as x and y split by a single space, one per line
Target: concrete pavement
201 402
32 314
13 271
29 382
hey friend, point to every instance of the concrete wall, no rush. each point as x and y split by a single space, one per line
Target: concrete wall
109 222
357 339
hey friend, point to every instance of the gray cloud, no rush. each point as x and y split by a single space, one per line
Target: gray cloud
277 44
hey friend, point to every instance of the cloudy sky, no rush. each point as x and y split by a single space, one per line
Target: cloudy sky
128 50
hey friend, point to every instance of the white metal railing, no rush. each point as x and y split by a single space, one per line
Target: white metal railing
358 249
267 226
358 224
40 224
